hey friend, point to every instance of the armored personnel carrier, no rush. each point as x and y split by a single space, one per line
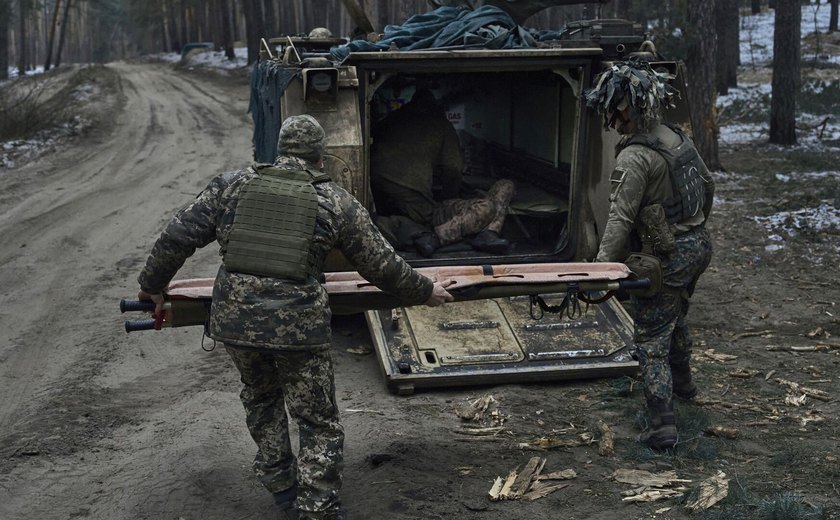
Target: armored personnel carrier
519 115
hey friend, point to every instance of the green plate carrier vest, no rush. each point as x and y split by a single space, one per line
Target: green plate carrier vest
274 223
684 166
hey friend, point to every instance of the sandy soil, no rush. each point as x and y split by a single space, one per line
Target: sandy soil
100 424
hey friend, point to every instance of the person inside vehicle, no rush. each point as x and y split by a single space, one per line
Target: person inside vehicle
661 194
414 148
270 310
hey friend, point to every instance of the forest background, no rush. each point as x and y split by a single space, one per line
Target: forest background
36 35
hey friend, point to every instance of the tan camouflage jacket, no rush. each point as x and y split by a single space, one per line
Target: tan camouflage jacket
263 312
641 178
413 149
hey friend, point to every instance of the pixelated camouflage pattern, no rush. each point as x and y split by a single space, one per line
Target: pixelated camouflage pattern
301 136
661 334
455 219
271 313
303 382
641 178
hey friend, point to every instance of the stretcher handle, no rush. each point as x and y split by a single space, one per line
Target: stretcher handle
135 325
137 305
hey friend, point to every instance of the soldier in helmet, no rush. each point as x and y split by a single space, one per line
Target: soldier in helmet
271 312
661 195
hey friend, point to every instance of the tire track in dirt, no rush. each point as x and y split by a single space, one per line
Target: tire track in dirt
79 225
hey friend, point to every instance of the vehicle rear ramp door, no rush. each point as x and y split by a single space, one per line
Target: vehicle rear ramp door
502 340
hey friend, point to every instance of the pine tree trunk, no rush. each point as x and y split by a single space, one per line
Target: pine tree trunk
700 67
183 16
48 62
785 84
5 16
726 17
832 20
64 30
270 18
755 6
227 41
254 28
22 4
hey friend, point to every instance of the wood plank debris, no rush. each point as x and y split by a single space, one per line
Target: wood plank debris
639 477
540 490
523 479
566 474
475 410
649 487
606 446
711 491
529 484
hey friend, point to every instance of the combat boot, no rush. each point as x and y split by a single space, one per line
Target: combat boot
285 499
335 514
662 431
427 243
683 387
490 242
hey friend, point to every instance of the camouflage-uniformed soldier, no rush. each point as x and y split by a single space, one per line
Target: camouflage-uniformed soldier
275 226
661 193
410 147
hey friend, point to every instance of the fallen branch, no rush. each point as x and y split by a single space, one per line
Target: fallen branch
783 348
735 406
810 392
751 334
480 432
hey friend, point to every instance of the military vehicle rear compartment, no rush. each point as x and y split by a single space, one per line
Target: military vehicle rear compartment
515 124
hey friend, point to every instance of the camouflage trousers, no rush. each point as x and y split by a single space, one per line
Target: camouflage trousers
303 382
661 335
455 219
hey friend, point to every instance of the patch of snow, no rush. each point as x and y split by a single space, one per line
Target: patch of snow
823 218
13 71
773 247
19 150
86 91
218 60
169 57
757 34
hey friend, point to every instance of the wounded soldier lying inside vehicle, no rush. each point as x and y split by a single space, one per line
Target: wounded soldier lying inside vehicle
413 146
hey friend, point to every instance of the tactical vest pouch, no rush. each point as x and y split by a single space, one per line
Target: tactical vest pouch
657 232
273 225
645 266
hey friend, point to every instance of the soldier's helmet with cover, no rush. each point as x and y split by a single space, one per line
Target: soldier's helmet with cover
320 32
302 136
632 84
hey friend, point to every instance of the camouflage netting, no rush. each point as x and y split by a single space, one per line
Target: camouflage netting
487 27
631 84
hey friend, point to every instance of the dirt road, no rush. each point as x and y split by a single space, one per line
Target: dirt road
99 424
